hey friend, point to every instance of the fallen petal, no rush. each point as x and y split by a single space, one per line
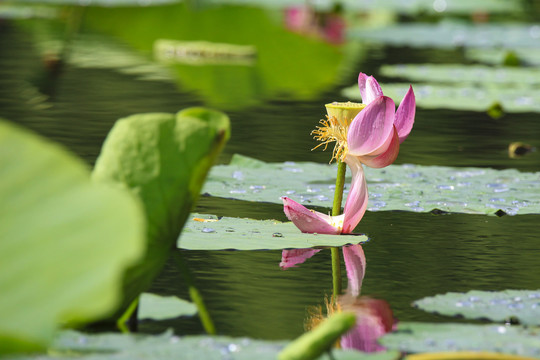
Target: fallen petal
309 221
356 203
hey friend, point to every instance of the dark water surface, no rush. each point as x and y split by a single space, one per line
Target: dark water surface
409 256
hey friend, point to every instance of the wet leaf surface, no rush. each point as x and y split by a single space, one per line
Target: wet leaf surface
207 232
396 187
523 305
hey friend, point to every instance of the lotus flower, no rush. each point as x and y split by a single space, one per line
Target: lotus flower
367 133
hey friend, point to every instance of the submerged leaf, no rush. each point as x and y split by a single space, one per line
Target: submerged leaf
396 187
207 232
66 241
156 307
523 305
163 159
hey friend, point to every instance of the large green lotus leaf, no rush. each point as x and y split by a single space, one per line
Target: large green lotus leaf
497 56
170 346
427 337
157 307
449 34
396 187
66 241
523 305
227 85
207 232
462 96
163 159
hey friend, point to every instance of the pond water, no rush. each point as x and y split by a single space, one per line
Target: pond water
273 110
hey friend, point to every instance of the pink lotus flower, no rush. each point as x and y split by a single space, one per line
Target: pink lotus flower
372 138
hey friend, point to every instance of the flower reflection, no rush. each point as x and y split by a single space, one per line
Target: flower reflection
374 317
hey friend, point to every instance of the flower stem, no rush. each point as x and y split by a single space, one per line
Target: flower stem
194 293
336 210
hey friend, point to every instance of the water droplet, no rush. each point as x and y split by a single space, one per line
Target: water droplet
312 190
445 187
500 190
174 339
535 305
289 163
322 198
517 298
413 204
257 187
238 175
375 195
515 306
501 329
497 200
414 175
534 31
233 348
290 192
534 295
293 170
417 209
499 302
474 298
207 230
237 191
229 230
277 234
82 340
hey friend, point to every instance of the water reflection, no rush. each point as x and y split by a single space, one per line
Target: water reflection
304 19
374 317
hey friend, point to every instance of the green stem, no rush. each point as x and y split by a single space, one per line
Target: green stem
336 210
194 293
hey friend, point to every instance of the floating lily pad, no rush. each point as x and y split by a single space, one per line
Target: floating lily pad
162 159
410 7
457 73
157 307
449 34
523 305
116 346
207 232
498 56
66 241
425 337
462 96
396 187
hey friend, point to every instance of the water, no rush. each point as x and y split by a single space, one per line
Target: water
410 255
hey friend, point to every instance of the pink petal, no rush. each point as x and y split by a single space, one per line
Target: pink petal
290 258
387 157
357 200
369 88
355 263
371 127
308 221
405 115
